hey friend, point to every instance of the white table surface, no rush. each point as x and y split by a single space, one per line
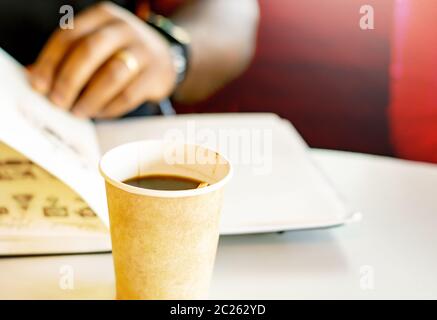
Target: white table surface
397 239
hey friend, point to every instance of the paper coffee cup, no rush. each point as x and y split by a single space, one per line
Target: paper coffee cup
164 242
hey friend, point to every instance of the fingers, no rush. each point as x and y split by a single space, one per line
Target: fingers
85 59
108 81
150 85
61 41
138 91
78 68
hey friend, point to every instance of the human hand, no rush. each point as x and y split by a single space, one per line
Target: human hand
106 66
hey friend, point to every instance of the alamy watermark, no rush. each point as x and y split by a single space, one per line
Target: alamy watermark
67 19
367 20
66 277
367 278
252 147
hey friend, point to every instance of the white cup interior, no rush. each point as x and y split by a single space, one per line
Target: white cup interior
151 157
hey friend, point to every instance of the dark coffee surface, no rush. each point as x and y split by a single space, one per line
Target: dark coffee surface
163 182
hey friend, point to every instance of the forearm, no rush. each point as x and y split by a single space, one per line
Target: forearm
223 35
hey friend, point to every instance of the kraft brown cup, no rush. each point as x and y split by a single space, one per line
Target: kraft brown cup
164 242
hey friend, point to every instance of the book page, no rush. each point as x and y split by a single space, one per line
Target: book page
63 145
40 214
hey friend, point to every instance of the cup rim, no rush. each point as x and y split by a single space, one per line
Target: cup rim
166 193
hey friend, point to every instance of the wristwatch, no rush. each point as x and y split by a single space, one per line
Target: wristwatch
179 43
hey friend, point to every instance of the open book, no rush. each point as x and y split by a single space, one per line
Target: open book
53 199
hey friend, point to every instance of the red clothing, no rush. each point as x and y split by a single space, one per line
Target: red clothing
164 7
316 67
413 109
342 87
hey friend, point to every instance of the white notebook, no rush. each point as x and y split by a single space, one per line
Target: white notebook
276 187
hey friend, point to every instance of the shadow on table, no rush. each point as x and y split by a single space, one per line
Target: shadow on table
307 251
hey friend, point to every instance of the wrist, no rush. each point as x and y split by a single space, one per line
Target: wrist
179 44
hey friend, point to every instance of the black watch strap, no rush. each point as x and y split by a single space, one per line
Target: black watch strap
179 42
